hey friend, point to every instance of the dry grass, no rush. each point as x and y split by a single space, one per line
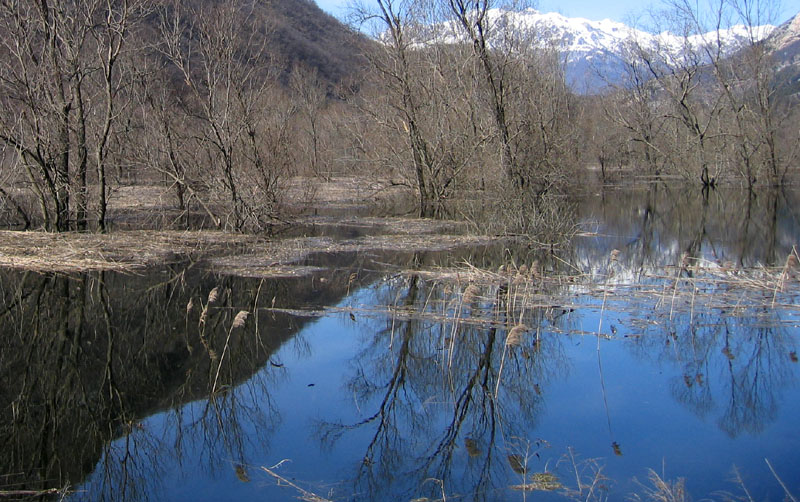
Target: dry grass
344 192
390 225
276 258
468 296
228 253
663 490
123 251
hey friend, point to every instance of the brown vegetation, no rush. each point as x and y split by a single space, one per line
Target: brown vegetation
224 104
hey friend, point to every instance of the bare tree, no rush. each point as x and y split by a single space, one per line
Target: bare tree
229 94
428 96
634 106
525 88
60 85
309 92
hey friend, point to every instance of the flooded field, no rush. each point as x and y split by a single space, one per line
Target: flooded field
655 357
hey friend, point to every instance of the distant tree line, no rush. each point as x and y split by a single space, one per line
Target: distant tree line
200 97
703 110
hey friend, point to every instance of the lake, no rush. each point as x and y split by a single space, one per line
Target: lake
654 355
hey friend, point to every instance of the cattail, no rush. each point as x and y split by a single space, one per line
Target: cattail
240 318
514 337
469 294
213 295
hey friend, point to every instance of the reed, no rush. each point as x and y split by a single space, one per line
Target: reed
663 490
788 495
238 322
306 495
513 339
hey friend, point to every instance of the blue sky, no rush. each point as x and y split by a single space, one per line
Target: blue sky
618 10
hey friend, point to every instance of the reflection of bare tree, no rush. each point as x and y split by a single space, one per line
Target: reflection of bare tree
655 226
734 362
430 372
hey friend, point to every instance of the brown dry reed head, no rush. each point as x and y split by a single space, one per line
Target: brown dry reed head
240 319
470 294
213 295
514 337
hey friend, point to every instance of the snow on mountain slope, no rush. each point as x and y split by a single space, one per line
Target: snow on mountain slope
594 49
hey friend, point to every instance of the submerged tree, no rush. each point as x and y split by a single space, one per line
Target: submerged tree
62 93
232 102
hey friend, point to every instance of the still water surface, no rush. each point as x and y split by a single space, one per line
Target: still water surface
368 381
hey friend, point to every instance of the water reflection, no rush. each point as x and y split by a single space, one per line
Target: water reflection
85 358
447 375
732 365
452 394
655 225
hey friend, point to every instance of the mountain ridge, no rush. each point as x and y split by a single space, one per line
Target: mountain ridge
595 50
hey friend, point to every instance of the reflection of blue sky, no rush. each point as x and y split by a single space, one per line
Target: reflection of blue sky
651 426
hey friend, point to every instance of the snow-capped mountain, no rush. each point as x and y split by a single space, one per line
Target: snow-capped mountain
785 45
594 50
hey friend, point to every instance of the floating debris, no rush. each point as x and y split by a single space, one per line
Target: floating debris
517 463
472 447
541 481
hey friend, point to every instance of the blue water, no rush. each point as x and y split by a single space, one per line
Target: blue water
676 404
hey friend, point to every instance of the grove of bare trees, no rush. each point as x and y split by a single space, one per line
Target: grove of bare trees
453 100
704 110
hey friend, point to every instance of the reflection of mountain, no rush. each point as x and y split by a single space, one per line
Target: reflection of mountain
84 358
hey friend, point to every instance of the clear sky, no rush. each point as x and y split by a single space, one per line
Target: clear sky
617 10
